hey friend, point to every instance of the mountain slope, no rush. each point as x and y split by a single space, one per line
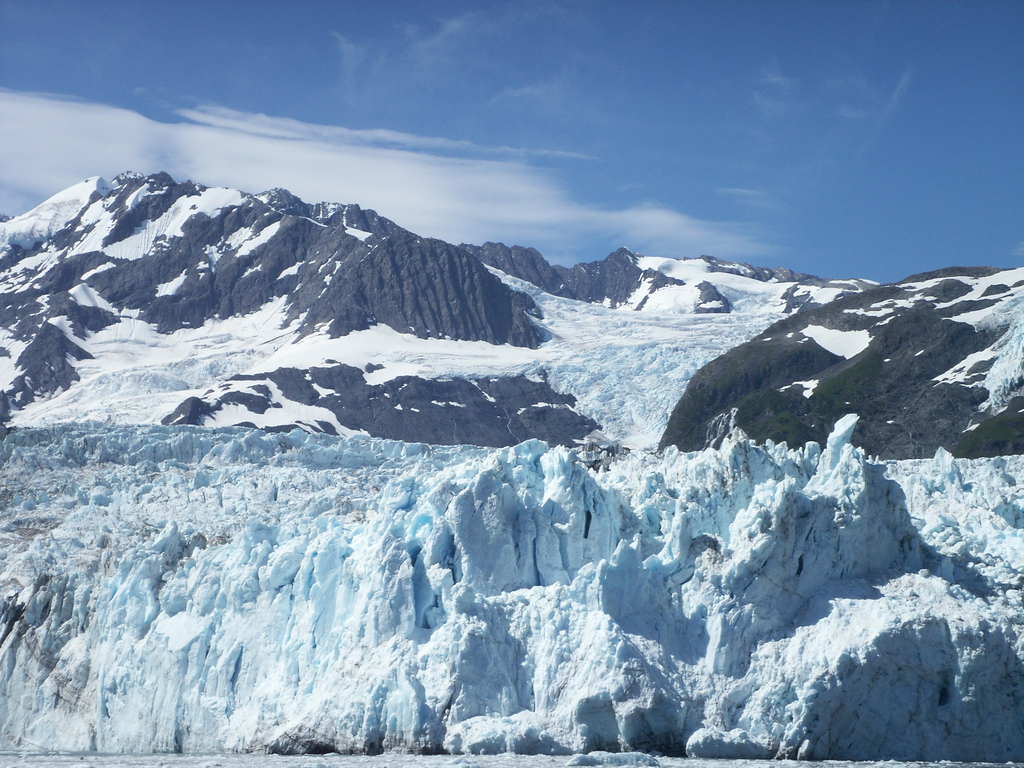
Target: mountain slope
932 361
146 257
145 300
182 254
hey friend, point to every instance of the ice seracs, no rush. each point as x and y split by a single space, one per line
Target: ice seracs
243 591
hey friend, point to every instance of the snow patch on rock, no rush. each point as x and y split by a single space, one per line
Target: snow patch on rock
842 343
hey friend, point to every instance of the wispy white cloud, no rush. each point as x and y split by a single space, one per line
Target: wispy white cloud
886 113
48 143
450 33
1018 250
755 198
771 74
288 128
896 97
661 231
862 101
769 105
549 92
428 57
774 90
352 56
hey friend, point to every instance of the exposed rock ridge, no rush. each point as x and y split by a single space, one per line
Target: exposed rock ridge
491 412
615 280
611 280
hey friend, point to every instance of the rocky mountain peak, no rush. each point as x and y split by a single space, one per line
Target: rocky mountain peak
151 255
283 201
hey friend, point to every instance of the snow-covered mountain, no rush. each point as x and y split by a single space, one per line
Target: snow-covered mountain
145 300
173 580
935 360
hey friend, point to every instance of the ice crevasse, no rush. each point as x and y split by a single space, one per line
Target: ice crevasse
196 590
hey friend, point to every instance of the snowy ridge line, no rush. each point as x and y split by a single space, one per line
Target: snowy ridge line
748 601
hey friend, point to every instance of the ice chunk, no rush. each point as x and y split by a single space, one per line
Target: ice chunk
613 758
732 745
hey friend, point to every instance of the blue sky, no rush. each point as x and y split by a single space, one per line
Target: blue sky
873 139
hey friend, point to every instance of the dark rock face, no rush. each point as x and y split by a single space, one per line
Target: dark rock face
711 300
415 285
784 386
764 274
612 280
46 365
1003 434
525 263
490 412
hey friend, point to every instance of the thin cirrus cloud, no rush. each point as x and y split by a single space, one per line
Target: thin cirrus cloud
288 128
896 97
860 102
48 143
774 90
755 198
771 75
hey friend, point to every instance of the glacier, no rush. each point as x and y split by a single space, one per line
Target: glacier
227 590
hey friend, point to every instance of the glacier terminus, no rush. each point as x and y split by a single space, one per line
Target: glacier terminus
287 478
187 589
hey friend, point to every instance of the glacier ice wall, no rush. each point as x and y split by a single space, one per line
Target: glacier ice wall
194 590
